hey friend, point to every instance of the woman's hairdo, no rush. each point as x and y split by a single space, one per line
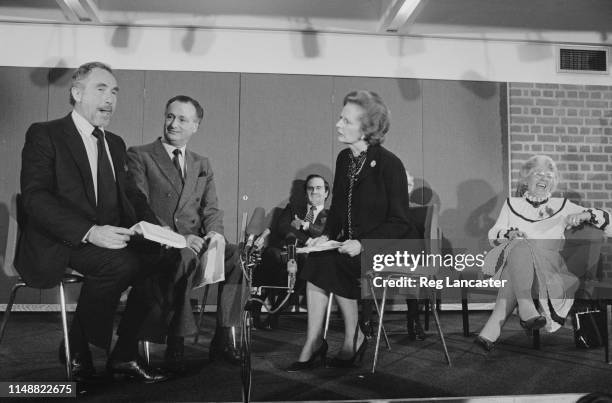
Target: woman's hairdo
375 121
534 164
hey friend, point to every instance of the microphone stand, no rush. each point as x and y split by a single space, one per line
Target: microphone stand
250 259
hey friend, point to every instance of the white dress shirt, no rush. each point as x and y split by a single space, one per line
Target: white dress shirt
86 129
170 150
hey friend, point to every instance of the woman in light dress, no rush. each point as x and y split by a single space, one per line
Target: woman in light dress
527 239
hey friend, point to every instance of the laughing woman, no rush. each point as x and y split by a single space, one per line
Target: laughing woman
528 237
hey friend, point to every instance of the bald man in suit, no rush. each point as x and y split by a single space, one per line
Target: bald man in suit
180 189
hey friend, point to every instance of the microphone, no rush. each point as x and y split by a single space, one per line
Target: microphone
291 240
255 226
259 242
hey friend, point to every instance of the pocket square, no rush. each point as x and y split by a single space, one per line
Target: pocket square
202 174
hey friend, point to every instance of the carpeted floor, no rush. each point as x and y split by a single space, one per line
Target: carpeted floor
410 370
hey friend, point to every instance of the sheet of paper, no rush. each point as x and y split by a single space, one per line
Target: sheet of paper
211 265
329 245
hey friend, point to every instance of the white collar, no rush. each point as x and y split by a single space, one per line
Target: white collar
83 124
170 148
317 208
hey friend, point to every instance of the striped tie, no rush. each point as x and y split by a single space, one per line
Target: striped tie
310 215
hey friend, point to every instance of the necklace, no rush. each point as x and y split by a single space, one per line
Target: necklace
536 201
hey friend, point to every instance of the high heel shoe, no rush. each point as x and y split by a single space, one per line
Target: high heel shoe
312 361
357 356
486 345
535 323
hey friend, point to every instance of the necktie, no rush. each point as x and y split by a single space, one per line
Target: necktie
108 206
177 163
310 215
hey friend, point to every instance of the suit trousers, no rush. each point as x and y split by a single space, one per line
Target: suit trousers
162 299
107 272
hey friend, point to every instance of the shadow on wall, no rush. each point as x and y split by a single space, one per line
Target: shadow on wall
42 77
297 192
477 208
482 89
409 88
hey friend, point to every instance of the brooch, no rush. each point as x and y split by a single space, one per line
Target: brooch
373 163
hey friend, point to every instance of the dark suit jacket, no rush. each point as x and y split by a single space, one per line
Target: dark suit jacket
380 198
287 216
59 199
194 210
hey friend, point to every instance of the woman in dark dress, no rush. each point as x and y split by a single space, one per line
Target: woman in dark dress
370 201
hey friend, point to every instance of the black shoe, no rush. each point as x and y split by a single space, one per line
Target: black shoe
81 364
486 345
174 358
367 328
418 331
320 353
357 356
135 369
535 323
272 321
224 346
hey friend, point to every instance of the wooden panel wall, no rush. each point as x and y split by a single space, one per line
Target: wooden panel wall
24 100
264 132
284 136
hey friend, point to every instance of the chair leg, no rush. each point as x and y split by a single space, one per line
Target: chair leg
65 330
201 314
465 317
536 339
9 307
427 309
381 314
328 314
146 348
378 313
434 311
607 316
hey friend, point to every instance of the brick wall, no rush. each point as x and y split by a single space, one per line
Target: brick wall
573 125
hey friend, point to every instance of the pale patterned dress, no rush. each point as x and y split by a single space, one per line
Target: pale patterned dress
544 228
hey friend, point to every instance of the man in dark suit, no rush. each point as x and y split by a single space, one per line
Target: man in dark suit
180 188
298 223
77 214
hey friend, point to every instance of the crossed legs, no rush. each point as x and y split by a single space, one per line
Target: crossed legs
520 273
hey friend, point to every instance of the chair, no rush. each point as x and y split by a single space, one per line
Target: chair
582 254
9 270
426 219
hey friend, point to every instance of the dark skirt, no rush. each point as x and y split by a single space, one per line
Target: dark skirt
334 272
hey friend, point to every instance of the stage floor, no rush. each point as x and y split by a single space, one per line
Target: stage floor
412 369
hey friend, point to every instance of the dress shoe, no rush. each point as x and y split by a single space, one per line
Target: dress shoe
367 328
486 345
81 363
357 357
135 369
535 323
415 330
224 346
174 358
320 353
354 361
272 321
